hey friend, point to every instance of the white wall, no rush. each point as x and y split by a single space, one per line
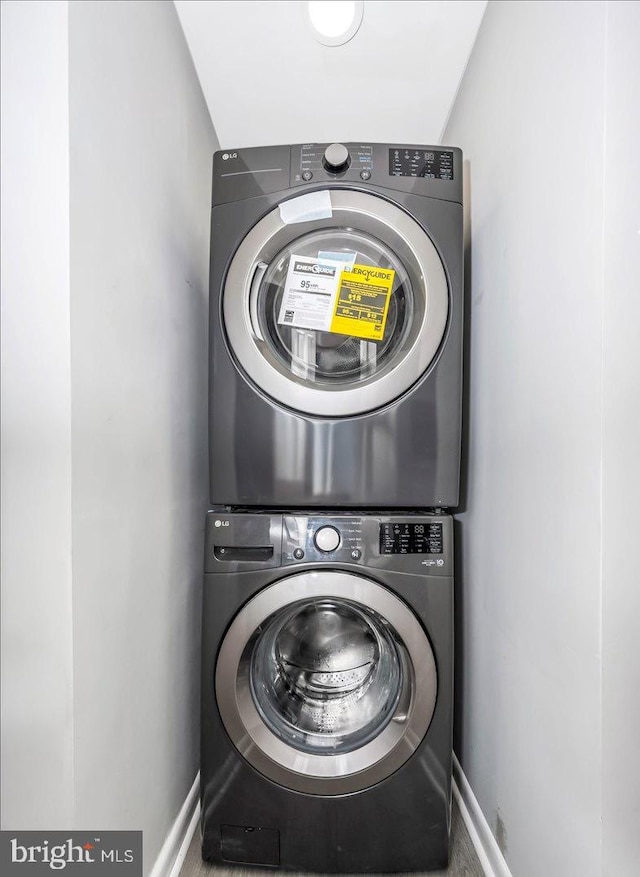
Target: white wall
530 117
268 80
548 719
621 444
37 726
141 148
129 339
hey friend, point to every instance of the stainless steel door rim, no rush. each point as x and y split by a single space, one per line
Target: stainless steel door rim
323 774
405 237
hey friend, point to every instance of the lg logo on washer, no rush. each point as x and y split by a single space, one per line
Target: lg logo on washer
227 155
219 523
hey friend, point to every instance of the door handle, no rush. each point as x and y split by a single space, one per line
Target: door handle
256 280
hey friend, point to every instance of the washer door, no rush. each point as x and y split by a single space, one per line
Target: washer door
326 373
326 682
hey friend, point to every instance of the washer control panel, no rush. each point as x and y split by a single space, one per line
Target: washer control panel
409 537
410 541
327 538
340 539
249 540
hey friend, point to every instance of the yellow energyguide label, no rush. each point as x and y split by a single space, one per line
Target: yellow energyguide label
362 302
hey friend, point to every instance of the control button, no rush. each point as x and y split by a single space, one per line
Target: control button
336 158
298 553
356 554
327 539
307 175
365 175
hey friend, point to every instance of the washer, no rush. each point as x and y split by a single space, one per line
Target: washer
335 324
327 682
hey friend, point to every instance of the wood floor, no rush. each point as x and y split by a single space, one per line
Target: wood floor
463 862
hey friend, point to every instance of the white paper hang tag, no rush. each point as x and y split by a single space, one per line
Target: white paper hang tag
306 208
347 259
309 293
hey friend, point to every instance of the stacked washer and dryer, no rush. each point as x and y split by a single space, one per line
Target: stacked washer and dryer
335 418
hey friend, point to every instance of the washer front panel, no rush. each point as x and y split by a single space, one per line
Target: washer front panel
369 215
334 773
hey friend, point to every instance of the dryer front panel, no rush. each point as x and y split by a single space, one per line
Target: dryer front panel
335 303
317 682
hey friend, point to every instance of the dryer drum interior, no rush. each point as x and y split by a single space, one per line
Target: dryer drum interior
318 686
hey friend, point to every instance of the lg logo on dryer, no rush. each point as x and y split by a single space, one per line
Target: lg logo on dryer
227 155
219 523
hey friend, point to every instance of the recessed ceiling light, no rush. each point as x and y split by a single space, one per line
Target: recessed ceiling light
335 22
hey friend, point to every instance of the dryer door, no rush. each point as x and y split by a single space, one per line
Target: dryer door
311 341
326 682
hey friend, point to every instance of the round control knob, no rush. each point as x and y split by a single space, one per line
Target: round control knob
336 158
327 539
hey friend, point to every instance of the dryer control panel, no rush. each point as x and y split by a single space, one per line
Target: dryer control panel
414 161
432 171
423 170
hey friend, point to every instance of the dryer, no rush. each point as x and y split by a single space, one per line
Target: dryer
327 675
335 326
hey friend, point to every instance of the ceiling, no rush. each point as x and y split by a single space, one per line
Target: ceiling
267 80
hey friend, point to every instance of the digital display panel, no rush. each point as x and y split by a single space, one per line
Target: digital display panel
411 538
432 164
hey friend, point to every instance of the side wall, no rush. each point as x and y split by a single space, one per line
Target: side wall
141 144
530 119
37 653
106 163
621 445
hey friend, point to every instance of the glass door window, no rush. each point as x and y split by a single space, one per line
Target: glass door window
330 359
326 682
322 371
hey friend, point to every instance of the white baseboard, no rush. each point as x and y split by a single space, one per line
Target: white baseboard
482 838
174 849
